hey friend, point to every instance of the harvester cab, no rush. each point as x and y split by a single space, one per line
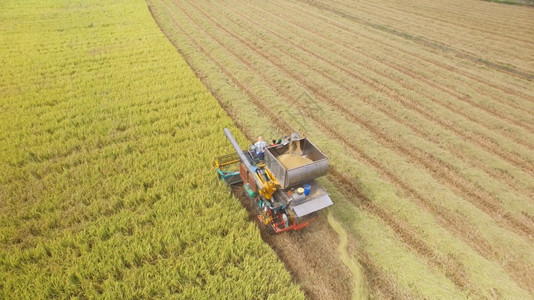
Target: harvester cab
281 180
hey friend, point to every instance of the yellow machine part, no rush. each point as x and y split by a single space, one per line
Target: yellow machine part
268 190
271 176
225 160
267 219
268 187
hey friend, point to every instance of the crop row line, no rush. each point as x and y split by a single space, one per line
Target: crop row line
432 164
371 9
422 41
386 111
433 62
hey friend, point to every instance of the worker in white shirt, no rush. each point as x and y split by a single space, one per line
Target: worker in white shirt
260 146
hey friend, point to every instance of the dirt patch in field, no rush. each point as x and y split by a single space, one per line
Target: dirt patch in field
309 254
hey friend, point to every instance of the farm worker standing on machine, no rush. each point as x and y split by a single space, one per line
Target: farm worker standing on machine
260 146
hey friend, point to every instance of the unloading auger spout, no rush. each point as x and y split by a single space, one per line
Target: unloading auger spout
241 155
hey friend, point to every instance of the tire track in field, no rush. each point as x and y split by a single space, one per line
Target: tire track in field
503 89
466 74
421 41
381 282
462 98
476 28
524 96
427 19
448 32
309 254
453 270
435 166
385 110
482 14
483 11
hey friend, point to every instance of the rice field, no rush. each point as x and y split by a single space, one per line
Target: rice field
107 188
425 110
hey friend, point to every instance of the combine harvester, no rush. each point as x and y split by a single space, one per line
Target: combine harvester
280 179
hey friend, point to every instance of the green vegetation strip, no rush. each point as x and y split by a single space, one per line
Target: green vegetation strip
106 183
425 42
359 290
524 2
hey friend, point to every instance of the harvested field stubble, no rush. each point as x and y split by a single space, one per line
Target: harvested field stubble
431 148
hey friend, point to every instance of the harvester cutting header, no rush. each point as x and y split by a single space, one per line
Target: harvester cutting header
280 178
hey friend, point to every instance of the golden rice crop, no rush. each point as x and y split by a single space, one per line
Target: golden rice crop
106 184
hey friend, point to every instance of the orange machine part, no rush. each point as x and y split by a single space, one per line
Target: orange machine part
294 227
243 173
247 178
252 183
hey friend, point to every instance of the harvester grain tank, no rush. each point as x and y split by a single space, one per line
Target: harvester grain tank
280 179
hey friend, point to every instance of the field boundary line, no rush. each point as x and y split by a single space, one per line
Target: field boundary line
421 16
438 64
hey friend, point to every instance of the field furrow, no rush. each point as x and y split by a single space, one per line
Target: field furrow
500 54
400 14
393 112
521 225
